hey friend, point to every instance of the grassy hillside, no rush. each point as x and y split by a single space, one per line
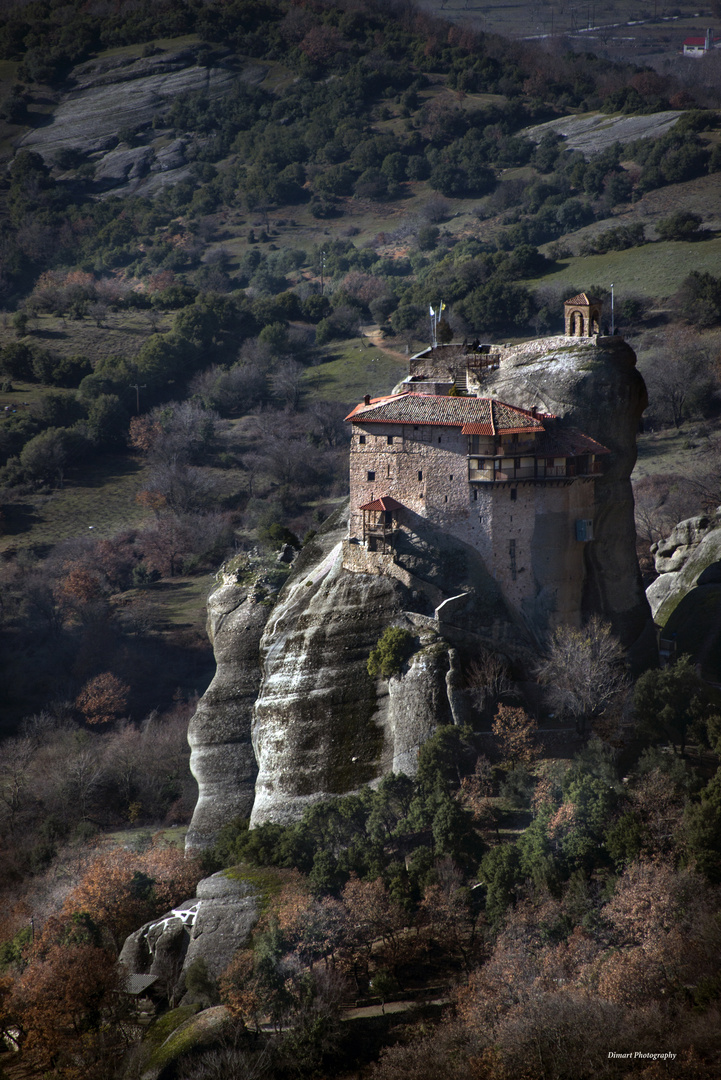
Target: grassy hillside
655 270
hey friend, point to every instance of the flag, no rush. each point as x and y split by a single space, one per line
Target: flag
443 306
432 312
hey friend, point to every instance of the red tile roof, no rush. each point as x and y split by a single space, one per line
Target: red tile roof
475 416
386 502
582 300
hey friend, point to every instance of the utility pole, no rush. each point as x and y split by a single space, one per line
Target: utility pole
613 323
322 270
137 388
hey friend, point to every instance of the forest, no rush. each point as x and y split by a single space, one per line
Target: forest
179 343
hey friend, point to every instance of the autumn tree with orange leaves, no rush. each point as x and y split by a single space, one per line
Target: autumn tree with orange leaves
120 889
515 732
103 698
62 1005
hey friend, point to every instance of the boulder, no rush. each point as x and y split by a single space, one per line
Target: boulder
211 926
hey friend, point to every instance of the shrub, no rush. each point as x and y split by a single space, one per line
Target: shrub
683 225
394 647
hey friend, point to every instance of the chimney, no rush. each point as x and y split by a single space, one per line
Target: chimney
367 399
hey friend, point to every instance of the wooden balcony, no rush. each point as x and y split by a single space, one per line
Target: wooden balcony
503 470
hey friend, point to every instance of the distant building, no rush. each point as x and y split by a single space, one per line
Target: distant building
516 485
699 46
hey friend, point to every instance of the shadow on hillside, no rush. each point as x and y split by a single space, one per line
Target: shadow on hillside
106 469
49 335
18 518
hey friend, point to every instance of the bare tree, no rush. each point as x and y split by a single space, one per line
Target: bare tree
678 371
585 672
704 477
287 384
14 779
488 680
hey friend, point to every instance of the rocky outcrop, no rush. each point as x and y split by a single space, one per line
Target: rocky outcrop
121 92
595 386
211 926
299 681
321 725
686 596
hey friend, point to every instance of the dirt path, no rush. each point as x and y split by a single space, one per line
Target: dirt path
390 1007
374 335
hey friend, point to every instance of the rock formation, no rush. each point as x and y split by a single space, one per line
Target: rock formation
222 759
686 596
211 926
596 387
320 725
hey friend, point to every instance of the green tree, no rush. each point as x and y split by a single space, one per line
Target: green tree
498 305
108 420
44 457
388 656
501 872
683 225
670 702
703 830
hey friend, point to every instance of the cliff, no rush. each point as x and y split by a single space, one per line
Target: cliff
595 386
292 679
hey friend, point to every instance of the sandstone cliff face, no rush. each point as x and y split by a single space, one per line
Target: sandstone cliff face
598 390
321 725
222 759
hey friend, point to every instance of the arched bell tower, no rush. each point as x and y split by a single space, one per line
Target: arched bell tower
583 316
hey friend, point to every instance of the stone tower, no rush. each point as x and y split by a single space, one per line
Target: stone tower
583 316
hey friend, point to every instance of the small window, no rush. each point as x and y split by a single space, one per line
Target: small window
516 463
361 439
420 474
514 438
439 438
475 494
390 440
415 427
371 476
514 493
446 499
450 477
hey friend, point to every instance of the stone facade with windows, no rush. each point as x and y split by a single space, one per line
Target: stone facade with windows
512 484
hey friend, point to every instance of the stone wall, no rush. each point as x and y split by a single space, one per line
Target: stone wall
525 532
424 467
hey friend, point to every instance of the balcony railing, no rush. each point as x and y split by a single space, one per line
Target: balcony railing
504 472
